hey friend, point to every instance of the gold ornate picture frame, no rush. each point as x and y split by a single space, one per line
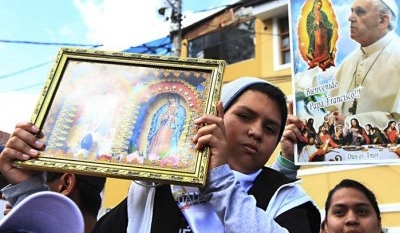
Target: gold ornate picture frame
126 115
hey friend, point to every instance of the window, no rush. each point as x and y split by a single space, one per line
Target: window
283 25
232 44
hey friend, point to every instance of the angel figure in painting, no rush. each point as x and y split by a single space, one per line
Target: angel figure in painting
166 128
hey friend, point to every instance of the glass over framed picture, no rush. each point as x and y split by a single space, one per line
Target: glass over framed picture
126 115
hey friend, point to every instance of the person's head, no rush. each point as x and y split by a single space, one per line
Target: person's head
310 121
331 120
390 125
43 212
354 122
84 190
324 127
370 20
317 4
311 140
255 117
171 98
351 206
390 7
339 128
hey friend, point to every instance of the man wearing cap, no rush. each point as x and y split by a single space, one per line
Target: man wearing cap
44 212
374 68
83 190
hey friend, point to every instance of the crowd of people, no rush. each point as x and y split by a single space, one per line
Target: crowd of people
241 194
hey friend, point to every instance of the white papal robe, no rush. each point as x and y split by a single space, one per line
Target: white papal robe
377 69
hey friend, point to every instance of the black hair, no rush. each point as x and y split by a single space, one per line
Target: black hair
272 92
348 183
89 189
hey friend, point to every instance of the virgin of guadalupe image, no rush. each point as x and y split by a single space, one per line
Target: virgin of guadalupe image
321 33
166 128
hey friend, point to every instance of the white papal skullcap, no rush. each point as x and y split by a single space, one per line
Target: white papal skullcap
392 4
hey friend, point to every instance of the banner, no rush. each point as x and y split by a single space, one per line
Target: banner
346 79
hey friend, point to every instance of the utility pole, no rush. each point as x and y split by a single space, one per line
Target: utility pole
176 23
177 41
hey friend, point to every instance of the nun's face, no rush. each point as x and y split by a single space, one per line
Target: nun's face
252 126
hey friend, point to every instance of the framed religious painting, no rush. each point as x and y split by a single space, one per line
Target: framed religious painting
126 115
345 90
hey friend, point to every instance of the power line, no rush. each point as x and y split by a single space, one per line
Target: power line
30 86
74 44
25 70
216 7
47 43
149 49
41 64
